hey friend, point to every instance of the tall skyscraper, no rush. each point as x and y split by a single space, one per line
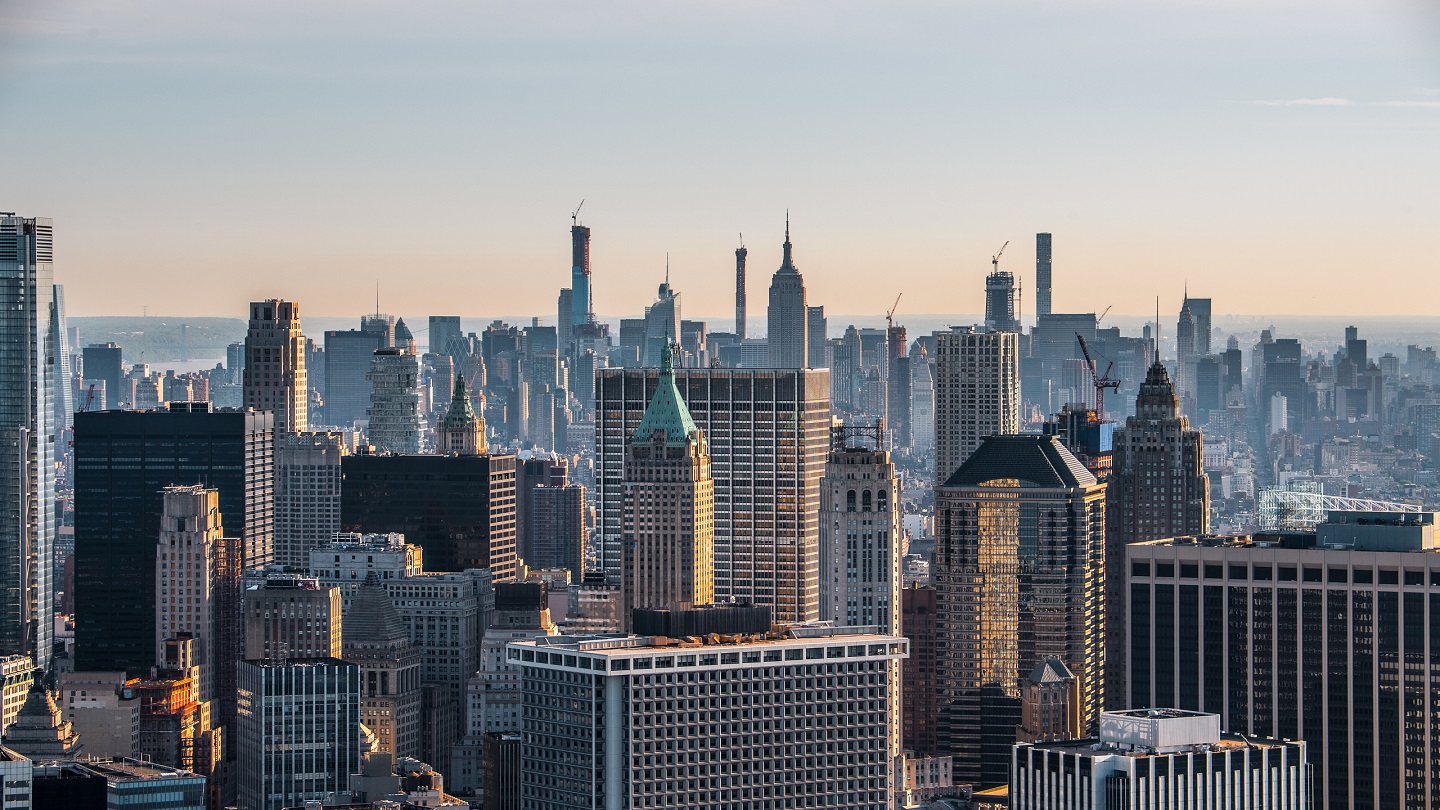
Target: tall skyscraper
1042 275
787 333
349 354
444 335
662 322
275 365
669 530
1019 576
101 361
307 493
123 462
1328 637
555 518
768 434
1000 301
394 402
817 342
374 638
27 437
289 616
299 731
61 376
459 509
740 254
187 594
569 682
581 311
462 430
860 532
1157 488
977 393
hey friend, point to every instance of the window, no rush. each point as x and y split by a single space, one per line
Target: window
850 501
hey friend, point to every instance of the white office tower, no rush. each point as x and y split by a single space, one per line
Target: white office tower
793 718
977 393
298 735
394 402
307 493
1162 759
922 402
860 532
27 479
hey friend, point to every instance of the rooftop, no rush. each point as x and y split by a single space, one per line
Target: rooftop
613 642
1036 461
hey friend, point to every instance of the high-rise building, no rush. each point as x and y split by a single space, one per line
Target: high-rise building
768 434
1019 577
740 316
977 393
1000 301
307 493
190 597
1042 275
444 335
1328 637
1157 488
918 689
669 496
555 520
459 509
275 365
582 310
662 323
102 363
375 639
922 402
394 401
1049 704
62 376
299 731
348 356
1161 758
860 532
787 332
289 616
817 351
462 431
105 710
826 678
27 438
123 462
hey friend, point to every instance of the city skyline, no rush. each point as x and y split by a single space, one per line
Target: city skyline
1158 142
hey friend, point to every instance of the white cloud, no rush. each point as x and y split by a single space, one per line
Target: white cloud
1327 101
1410 103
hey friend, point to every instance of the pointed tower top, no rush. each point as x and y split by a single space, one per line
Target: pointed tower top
788 264
372 617
667 411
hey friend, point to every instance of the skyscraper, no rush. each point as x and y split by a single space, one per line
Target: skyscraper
669 530
307 493
860 532
187 594
740 254
662 322
1157 488
394 401
101 361
299 730
444 335
977 393
275 365
817 342
1019 576
1042 275
581 311
290 616
787 332
918 689
374 638
1000 301
27 437
123 462
767 433
348 356
462 430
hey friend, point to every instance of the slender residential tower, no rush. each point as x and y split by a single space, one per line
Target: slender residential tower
788 315
1042 275
580 311
740 254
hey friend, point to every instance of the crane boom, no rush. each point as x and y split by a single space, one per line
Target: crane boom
575 215
1101 381
890 316
995 260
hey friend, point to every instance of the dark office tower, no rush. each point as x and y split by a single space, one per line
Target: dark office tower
787 335
581 311
557 522
898 402
459 509
1019 577
123 461
445 336
1042 275
1000 302
740 254
1328 637
1283 373
816 330
1208 393
1231 371
1356 349
564 328
917 673
668 533
1157 488
101 361
275 365
27 478
348 356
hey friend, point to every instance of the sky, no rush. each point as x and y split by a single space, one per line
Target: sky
1278 156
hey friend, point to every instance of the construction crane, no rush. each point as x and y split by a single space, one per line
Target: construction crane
1102 316
890 316
995 260
1102 381
575 216
89 399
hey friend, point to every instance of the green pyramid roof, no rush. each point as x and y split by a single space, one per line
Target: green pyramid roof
667 409
461 412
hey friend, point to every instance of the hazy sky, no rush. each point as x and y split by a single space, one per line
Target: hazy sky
1282 156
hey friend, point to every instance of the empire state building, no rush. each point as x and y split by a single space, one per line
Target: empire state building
786 318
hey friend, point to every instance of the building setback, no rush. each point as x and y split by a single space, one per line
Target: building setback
768 432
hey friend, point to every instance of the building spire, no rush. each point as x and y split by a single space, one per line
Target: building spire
788 263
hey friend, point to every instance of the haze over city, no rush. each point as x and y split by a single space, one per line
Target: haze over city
1267 152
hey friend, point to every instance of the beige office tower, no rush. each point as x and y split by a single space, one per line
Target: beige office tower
860 532
290 617
307 493
275 364
977 393
669 528
187 595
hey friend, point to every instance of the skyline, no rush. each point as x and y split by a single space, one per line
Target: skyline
1234 146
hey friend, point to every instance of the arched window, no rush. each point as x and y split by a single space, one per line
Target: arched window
850 501
865 501
882 501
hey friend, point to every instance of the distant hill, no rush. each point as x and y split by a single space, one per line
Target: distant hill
163 339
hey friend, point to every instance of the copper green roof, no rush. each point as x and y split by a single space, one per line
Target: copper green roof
461 413
667 409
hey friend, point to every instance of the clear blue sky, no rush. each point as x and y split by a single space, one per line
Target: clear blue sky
1281 156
